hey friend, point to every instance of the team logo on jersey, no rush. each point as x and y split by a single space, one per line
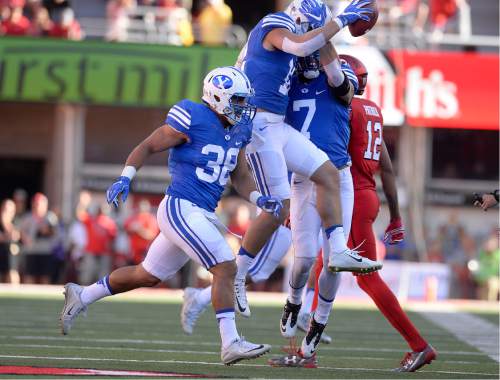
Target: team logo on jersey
304 90
222 81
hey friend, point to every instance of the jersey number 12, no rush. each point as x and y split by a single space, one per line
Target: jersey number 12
372 151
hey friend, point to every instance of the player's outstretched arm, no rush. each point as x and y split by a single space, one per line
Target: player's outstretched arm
160 140
244 184
305 44
394 232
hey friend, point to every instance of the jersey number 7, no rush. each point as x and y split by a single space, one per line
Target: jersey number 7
372 151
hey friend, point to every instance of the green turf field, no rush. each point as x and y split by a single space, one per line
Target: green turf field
135 335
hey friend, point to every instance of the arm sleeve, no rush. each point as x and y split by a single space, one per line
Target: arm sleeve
179 117
303 49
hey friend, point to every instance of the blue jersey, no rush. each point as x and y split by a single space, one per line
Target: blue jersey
200 168
317 113
269 72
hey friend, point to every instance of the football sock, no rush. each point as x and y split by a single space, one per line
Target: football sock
307 300
96 291
336 238
328 285
204 297
243 261
298 278
227 326
388 304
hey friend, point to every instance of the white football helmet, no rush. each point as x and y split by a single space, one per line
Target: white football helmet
227 90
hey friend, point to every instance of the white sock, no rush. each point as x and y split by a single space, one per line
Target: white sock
323 310
307 300
204 297
227 326
337 240
96 291
243 262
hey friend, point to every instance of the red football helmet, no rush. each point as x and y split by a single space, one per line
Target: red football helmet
359 69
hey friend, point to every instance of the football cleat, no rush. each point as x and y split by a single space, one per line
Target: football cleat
312 339
303 325
191 310
350 261
240 298
73 306
293 360
412 361
240 349
288 322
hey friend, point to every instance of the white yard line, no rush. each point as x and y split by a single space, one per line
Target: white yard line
209 344
470 329
187 352
220 364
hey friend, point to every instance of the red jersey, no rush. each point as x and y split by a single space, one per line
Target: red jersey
364 144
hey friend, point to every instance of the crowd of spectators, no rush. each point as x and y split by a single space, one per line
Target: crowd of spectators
51 18
37 246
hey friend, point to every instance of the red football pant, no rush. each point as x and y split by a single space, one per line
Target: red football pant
366 206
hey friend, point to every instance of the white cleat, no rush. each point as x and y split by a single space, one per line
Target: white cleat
242 350
240 298
303 325
311 340
73 306
288 321
191 310
351 261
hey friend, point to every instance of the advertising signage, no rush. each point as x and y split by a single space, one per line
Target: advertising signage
94 72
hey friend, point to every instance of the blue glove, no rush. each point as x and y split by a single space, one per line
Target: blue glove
348 71
269 204
315 11
354 12
121 186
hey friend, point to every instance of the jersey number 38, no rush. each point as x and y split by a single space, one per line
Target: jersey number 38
220 168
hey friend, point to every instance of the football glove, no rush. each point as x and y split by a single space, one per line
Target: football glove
395 232
121 186
354 12
315 11
269 204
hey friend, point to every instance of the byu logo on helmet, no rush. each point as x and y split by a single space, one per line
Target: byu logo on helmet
222 82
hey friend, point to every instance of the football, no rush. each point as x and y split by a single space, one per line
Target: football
361 27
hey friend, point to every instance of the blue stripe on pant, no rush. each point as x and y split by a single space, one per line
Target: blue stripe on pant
259 174
182 233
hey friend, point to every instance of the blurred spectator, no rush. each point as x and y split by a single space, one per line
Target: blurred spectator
8 235
177 24
214 21
20 198
14 23
56 6
117 12
65 26
456 247
38 231
141 228
40 22
77 238
58 250
240 221
98 257
487 272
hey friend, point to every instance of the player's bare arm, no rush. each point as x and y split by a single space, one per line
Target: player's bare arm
162 139
337 79
389 182
241 178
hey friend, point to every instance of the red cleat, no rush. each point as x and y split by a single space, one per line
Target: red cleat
412 361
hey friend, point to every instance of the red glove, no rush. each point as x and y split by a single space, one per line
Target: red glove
395 232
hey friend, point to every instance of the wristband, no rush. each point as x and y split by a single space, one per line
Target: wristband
339 22
129 172
254 195
334 72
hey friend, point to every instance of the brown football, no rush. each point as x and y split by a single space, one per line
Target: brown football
361 27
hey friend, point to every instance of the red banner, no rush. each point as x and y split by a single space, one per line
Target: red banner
448 90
